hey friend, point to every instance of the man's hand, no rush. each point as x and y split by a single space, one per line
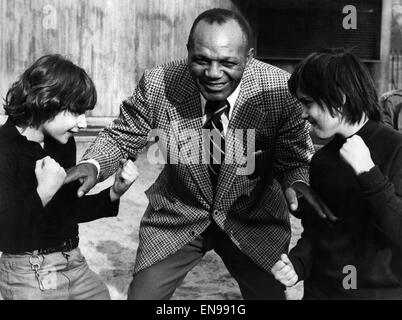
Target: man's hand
355 153
284 272
50 176
311 198
124 178
86 173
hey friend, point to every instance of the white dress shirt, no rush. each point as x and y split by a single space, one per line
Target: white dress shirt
225 118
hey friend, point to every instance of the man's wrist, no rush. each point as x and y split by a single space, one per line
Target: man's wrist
299 186
95 163
299 182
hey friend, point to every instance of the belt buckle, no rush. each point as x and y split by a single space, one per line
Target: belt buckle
35 262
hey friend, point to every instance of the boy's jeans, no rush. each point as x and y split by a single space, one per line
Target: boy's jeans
55 276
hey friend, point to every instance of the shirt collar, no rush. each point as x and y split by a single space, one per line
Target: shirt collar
231 100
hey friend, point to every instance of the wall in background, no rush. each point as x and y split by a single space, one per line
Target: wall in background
114 40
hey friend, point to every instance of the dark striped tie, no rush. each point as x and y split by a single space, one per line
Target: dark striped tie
216 137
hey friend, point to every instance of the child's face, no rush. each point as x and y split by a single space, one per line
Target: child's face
64 126
323 124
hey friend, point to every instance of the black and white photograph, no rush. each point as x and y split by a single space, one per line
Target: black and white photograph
217 151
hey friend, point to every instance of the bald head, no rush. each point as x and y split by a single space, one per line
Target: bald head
220 17
219 37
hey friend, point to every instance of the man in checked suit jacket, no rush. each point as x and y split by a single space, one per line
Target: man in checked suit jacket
245 217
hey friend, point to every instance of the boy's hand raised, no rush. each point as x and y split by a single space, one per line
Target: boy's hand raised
124 178
356 153
284 271
50 176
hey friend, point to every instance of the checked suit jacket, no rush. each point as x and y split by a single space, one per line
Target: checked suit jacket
249 208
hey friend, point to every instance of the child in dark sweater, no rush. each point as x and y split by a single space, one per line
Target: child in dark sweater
39 215
358 175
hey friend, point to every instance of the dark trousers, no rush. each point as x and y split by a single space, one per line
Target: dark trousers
159 281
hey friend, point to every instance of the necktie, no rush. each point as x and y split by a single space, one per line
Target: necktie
216 137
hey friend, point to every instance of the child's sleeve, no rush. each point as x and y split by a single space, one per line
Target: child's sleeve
301 255
383 196
18 212
96 206
87 208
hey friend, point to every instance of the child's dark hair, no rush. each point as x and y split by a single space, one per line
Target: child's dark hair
338 79
51 85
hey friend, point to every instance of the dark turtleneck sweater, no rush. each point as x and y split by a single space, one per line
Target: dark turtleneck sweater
368 234
24 224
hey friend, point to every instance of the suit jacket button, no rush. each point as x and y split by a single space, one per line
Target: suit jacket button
216 212
192 233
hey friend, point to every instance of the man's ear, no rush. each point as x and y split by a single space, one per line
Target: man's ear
250 54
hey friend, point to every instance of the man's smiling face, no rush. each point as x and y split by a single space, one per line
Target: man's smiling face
217 58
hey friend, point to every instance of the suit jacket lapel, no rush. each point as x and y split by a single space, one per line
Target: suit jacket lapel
247 114
185 115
